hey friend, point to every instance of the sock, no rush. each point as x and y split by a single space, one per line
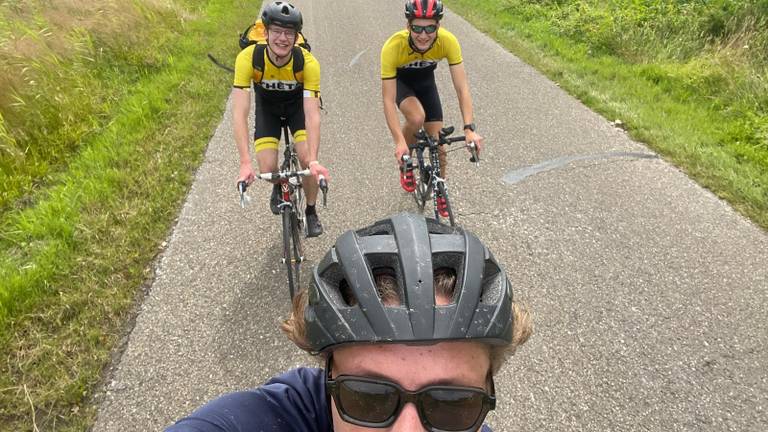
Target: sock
310 210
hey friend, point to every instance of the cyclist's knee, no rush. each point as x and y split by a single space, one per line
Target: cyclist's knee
415 120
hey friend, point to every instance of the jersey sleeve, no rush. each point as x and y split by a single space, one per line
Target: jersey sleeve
294 401
389 57
452 47
311 75
244 68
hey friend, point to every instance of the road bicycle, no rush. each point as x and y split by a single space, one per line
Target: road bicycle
428 181
291 204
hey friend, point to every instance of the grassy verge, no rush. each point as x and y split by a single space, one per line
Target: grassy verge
690 79
71 258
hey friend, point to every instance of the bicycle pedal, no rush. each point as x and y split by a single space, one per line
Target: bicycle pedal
407 181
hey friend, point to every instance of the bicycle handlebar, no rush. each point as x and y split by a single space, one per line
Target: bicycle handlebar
282 175
422 140
242 185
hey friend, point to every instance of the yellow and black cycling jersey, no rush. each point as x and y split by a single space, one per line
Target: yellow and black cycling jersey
275 82
398 58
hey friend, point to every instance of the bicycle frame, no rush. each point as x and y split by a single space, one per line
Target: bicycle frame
290 186
437 185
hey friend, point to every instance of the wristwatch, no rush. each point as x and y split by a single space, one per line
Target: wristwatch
470 126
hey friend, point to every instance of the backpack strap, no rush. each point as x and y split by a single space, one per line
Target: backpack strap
258 63
298 64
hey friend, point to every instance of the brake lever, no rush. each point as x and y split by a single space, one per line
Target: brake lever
242 186
473 151
324 188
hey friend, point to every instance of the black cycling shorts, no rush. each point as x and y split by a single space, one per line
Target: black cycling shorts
425 90
268 127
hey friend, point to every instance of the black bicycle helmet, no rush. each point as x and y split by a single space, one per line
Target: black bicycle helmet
429 9
409 248
283 14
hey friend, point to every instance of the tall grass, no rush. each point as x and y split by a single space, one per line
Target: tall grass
64 66
688 77
106 111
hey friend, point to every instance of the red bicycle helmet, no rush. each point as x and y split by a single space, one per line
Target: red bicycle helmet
429 9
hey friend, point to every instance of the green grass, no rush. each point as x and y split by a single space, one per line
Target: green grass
688 78
73 255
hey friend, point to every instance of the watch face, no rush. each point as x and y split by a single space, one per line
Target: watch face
470 126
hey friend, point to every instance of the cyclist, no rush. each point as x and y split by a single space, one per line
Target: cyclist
408 61
412 319
279 92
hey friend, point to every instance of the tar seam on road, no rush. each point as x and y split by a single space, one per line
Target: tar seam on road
357 57
518 175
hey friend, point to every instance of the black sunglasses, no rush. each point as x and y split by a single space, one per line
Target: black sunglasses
376 403
421 29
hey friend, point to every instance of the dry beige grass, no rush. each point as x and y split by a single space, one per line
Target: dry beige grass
41 31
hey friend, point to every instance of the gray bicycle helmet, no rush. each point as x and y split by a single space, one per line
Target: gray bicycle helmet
283 14
408 247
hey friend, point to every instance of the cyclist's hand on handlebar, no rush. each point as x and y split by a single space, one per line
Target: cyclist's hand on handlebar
474 137
318 170
246 173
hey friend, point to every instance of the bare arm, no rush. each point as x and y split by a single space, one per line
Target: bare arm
241 101
312 126
459 78
389 94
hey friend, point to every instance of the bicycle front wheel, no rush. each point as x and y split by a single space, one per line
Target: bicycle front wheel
423 186
443 192
292 250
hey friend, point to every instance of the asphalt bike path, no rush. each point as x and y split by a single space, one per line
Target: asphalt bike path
648 292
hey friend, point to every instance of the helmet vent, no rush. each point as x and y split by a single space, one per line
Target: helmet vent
333 276
386 273
493 284
347 295
453 263
286 11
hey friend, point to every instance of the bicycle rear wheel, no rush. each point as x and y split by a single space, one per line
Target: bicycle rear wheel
443 192
292 250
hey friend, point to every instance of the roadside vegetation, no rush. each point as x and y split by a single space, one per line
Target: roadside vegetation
689 78
105 111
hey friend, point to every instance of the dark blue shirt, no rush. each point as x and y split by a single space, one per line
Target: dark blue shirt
292 402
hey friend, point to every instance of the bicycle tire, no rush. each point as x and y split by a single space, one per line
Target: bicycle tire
288 217
421 193
297 193
298 252
443 191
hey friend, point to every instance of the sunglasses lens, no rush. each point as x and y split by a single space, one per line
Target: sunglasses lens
452 409
421 29
367 401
